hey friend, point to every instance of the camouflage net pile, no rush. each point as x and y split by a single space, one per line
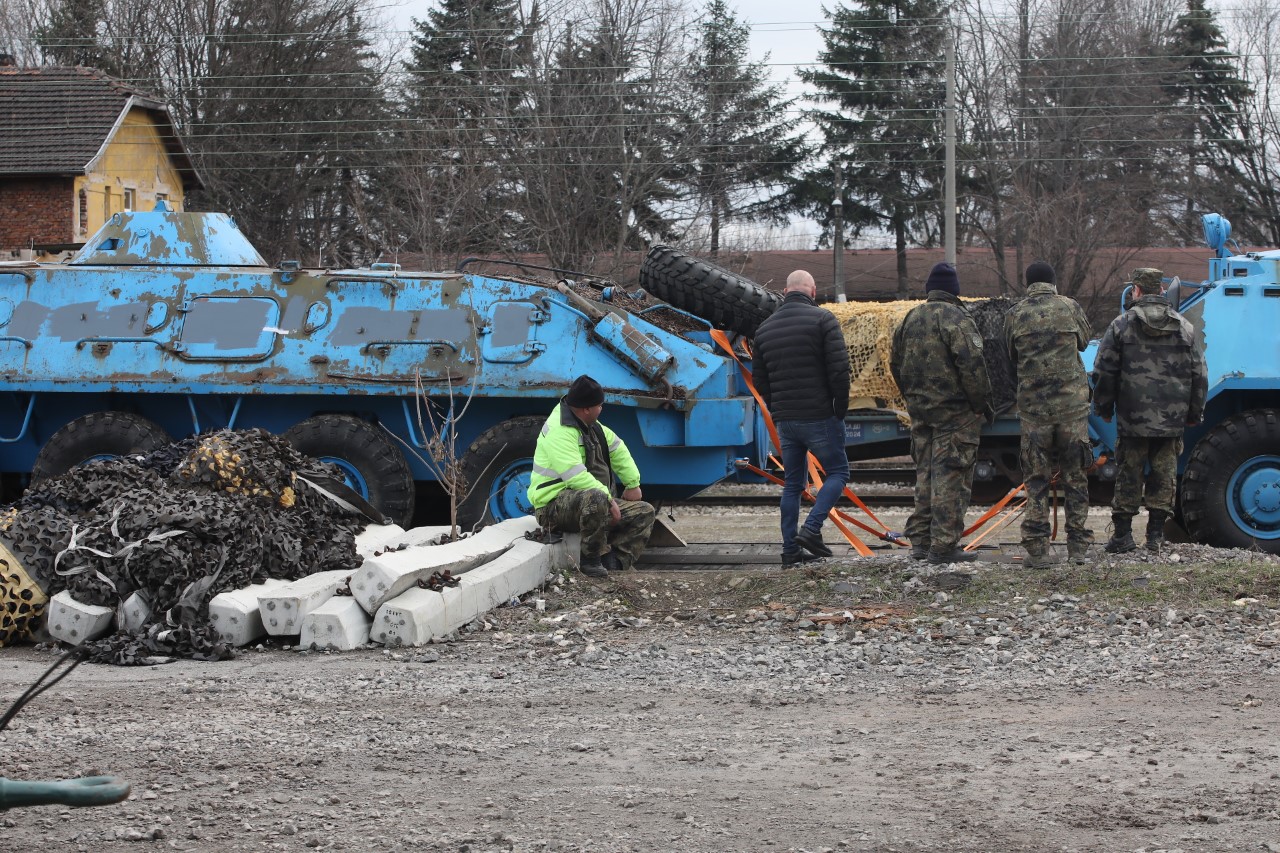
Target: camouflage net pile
868 329
180 525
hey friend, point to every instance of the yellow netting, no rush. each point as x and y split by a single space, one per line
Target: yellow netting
221 465
868 333
22 601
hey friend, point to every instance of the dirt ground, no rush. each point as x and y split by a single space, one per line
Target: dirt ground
681 726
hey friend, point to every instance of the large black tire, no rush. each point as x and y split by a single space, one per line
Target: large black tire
723 298
371 463
99 435
1230 495
496 469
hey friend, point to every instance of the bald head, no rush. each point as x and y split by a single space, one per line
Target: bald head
801 282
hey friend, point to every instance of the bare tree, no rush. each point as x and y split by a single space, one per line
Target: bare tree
1256 30
602 146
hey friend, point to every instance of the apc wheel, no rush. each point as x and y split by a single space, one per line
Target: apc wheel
370 462
1231 487
722 297
497 468
100 435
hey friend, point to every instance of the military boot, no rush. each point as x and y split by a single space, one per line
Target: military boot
1078 552
1038 556
1121 540
1155 528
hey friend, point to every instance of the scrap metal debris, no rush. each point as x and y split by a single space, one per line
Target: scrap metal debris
201 516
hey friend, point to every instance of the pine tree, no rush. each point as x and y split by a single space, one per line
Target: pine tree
71 36
1205 84
746 152
884 75
467 97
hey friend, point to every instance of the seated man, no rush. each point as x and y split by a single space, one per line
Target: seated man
576 464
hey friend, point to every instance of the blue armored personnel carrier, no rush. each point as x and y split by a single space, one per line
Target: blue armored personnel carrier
168 324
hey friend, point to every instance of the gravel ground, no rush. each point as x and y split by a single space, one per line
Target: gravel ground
855 704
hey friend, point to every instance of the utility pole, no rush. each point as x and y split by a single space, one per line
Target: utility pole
949 202
837 226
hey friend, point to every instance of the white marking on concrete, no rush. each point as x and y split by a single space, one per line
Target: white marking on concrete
73 622
381 579
340 623
282 608
235 613
419 615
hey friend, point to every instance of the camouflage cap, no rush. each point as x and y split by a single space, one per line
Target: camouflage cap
1148 280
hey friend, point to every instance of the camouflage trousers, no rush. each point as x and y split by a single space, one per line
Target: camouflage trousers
1133 456
586 511
1064 449
944 455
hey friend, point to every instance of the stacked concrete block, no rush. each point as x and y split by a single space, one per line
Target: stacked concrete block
73 622
416 536
133 612
381 579
375 537
235 613
283 608
420 615
340 623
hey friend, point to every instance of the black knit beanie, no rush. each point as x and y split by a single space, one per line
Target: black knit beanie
584 393
1038 272
943 277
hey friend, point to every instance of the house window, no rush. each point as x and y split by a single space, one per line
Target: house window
129 194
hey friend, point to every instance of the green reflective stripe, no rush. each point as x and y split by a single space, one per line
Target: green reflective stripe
546 472
617 442
573 472
546 428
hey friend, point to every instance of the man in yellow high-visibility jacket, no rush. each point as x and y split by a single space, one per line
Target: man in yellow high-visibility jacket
576 465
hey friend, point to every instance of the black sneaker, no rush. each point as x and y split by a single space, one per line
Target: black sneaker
812 542
791 558
955 555
611 561
592 568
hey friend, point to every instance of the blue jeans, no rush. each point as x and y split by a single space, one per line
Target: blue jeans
825 440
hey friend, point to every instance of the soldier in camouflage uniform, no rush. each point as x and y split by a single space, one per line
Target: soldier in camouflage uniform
1045 333
576 464
938 365
1150 373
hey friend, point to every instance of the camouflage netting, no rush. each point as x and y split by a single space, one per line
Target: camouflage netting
180 525
868 332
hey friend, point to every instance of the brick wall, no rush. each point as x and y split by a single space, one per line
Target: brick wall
38 209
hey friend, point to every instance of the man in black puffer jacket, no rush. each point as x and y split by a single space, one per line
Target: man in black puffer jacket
802 372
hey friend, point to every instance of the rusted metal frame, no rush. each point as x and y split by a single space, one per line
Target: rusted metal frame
436 343
29 275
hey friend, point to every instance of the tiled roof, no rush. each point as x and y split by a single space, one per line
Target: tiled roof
55 119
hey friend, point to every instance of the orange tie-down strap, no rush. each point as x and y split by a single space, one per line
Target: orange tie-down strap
991 513
836 516
723 340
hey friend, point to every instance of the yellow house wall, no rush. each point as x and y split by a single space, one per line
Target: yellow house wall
135 159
